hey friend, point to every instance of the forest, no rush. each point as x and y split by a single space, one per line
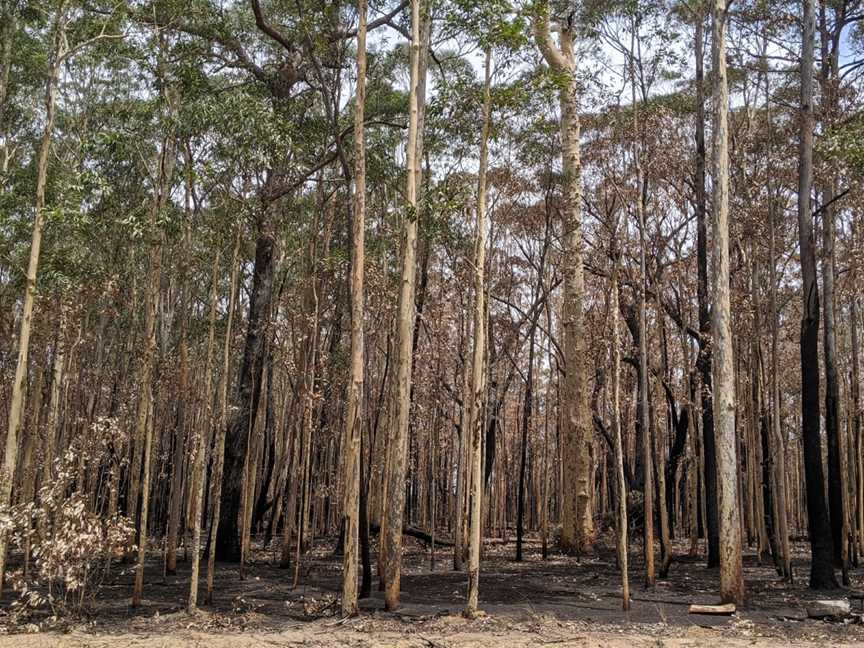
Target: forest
431 323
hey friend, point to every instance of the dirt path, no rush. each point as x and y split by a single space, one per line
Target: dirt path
448 632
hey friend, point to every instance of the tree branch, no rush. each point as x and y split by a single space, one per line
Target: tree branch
826 205
268 29
540 25
386 19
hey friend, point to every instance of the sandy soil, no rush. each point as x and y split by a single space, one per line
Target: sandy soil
445 632
561 601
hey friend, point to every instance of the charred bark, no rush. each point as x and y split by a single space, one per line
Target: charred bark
248 391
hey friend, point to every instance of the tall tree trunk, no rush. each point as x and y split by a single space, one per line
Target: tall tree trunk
144 422
693 453
17 401
827 76
58 376
291 503
394 509
659 455
222 421
527 404
576 514
621 535
176 500
731 575
228 542
644 403
309 367
704 359
28 467
256 431
354 422
200 443
527 409
821 547
761 422
463 447
832 386
433 486
477 403
365 464
544 510
854 316
778 452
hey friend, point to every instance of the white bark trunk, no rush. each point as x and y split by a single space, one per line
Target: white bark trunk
354 422
731 578
576 513
398 429
618 447
477 404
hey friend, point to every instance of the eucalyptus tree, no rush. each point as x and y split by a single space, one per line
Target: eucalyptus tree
696 13
354 422
70 32
731 577
391 546
833 20
299 47
618 449
577 516
821 545
9 18
162 174
219 190
476 409
488 27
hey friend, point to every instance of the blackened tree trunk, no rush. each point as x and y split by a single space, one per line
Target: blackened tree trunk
617 445
832 387
828 68
679 419
821 563
221 423
249 392
768 492
526 424
644 402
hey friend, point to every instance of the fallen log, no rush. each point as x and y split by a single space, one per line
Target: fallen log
419 534
721 610
828 608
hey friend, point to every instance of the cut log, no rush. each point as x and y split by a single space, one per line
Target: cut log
828 608
721 610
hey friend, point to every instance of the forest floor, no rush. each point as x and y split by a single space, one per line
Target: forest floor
561 601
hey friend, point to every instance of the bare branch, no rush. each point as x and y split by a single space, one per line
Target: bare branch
386 19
